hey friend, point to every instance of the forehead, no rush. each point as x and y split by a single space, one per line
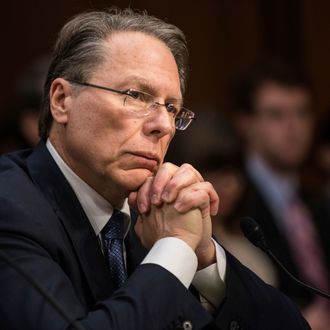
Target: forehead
139 56
281 95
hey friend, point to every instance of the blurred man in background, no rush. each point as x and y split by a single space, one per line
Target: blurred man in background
274 115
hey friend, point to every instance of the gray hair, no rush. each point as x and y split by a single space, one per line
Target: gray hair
79 48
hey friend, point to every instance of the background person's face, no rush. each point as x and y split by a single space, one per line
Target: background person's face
281 127
110 148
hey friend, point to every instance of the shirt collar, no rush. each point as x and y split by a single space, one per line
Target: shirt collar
277 190
97 209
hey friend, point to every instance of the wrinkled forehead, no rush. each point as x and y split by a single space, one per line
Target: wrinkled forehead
139 57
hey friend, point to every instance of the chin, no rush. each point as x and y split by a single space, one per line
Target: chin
287 164
132 180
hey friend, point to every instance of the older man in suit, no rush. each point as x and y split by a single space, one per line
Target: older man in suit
113 99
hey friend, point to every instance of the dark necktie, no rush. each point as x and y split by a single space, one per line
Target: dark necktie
113 236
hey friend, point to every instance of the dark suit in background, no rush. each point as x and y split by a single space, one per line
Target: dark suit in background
255 206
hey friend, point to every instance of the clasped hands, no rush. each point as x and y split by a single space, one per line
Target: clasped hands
177 202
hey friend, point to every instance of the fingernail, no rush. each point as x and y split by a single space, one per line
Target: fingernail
165 197
177 205
142 208
154 198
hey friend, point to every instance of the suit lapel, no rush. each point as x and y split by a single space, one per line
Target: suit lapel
46 174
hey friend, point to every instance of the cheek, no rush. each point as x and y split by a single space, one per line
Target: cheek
267 138
85 132
273 131
97 122
165 142
83 117
307 130
261 134
89 133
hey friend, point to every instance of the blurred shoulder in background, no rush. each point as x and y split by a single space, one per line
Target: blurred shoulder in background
19 127
273 104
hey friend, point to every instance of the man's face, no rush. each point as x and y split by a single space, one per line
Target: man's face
109 147
280 130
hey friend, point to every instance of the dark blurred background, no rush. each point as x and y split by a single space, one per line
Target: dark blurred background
224 37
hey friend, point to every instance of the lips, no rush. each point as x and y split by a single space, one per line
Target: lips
144 160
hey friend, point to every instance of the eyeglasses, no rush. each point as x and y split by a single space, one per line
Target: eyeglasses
142 104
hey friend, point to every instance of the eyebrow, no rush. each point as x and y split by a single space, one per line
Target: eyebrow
143 85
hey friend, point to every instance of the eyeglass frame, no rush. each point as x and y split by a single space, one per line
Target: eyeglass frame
128 92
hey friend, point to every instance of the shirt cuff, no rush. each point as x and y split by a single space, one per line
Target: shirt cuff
176 256
210 281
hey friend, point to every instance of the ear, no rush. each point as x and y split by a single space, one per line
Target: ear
59 95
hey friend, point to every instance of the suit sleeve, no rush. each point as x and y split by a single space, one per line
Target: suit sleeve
252 304
152 298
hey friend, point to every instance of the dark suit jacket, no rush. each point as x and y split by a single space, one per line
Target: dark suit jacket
44 229
254 205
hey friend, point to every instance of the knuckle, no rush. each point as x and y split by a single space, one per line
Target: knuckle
174 183
187 167
190 168
210 188
209 185
204 195
168 166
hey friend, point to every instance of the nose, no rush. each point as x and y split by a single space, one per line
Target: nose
159 122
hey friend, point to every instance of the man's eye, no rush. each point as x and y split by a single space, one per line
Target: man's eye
171 108
135 94
140 96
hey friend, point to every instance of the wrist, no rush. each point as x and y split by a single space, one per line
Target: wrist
206 256
192 242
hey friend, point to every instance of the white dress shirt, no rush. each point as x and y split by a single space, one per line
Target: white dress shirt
171 253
